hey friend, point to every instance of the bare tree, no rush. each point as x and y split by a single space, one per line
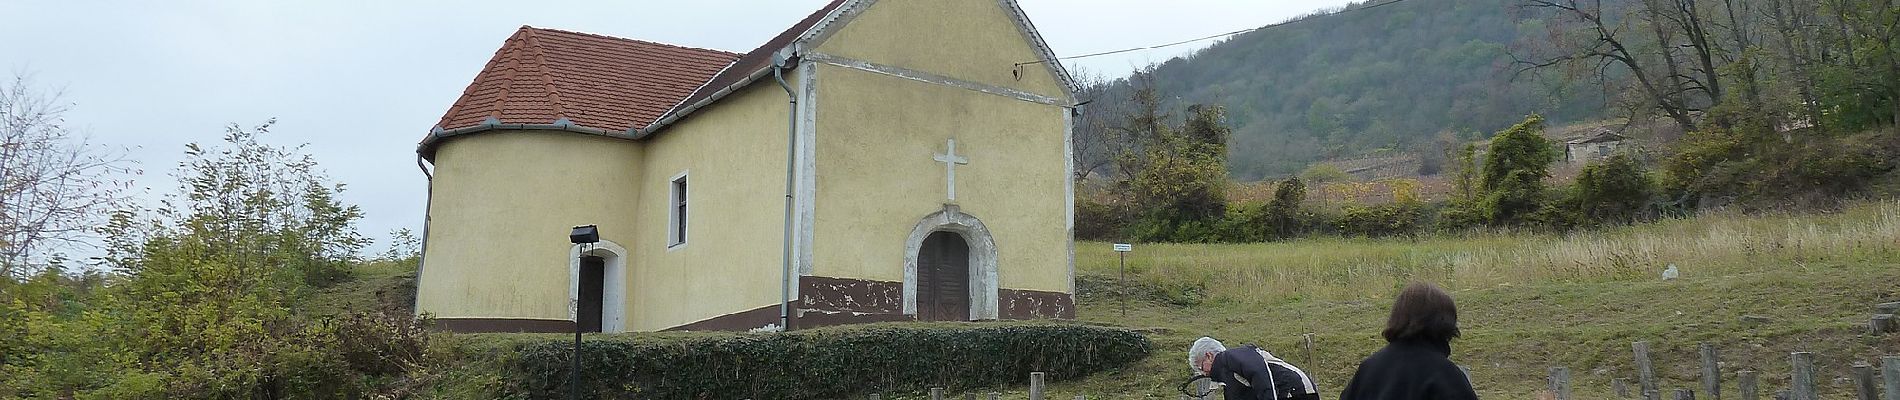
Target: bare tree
1095 141
1589 40
55 185
1792 21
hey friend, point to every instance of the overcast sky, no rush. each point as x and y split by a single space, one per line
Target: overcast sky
362 81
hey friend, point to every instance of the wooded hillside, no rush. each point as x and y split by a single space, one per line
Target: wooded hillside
1383 79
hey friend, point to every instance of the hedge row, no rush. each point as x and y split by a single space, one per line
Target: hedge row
821 363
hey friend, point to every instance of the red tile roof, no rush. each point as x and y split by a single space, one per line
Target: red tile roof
541 75
600 82
758 58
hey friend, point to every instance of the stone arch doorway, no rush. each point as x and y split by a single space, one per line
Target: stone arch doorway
597 292
950 268
943 278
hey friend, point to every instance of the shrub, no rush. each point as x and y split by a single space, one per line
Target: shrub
1281 215
821 363
1459 216
1613 190
1323 173
1760 169
1096 220
1514 171
1396 219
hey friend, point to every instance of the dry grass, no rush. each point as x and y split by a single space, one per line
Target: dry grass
1344 268
1526 302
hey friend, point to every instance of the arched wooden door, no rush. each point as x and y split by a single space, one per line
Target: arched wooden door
943 278
592 293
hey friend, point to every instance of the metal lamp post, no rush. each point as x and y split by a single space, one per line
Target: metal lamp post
585 235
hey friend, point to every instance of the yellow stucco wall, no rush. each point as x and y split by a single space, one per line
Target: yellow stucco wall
734 156
877 135
503 201
973 40
502 206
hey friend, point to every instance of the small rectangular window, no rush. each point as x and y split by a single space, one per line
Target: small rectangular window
677 208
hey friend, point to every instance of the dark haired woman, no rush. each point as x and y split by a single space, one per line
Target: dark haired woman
1415 363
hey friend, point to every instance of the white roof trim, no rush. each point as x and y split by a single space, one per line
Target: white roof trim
823 29
835 20
1042 47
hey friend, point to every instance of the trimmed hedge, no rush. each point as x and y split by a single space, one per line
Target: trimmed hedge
820 363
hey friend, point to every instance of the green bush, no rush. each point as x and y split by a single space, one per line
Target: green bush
1323 173
1096 220
1758 169
1614 190
1514 172
1459 216
821 363
1396 219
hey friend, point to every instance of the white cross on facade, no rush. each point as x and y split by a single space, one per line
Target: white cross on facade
950 162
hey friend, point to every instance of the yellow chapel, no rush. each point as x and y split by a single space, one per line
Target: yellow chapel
880 160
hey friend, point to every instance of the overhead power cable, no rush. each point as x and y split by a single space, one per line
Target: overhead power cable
1274 25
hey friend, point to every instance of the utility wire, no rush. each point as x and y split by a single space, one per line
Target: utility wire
1274 25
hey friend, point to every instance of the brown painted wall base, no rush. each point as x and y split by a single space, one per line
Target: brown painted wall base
827 301
1033 304
503 325
823 301
739 321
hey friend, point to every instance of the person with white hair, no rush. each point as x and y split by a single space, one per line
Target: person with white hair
1250 373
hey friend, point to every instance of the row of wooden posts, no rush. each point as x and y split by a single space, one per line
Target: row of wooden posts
1802 385
1037 391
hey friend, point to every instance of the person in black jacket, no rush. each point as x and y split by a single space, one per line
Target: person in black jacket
1415 364
1249 373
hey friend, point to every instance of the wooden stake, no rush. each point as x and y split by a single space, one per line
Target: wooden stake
1560 382
936 393
1803 382
1645 376
1747 381
1621 386
1890 372
1035 386
1711 372
1864 382
1306 343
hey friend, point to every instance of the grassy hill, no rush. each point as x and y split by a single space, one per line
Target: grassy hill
1527 302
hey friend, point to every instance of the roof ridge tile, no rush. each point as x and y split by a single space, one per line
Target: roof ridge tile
554 90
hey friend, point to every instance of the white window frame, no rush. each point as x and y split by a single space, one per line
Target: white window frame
677 223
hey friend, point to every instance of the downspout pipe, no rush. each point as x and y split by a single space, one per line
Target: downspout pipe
428 204
779 62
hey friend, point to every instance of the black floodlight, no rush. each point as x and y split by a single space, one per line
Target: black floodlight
584 234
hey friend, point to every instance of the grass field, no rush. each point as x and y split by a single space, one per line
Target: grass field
1528 301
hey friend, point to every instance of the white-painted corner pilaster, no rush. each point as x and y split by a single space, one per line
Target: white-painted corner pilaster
806 201
1068 186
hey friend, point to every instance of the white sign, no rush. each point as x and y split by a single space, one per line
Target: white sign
1124 247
